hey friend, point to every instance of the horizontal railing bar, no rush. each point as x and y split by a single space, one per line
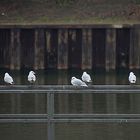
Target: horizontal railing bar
23 120
69 116
20 89
52 87
69 91
19 116
96 116
95 120
70 120
41 116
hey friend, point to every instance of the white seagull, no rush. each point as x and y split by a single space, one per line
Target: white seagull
8 79
77 82
86 77
31 77
132 78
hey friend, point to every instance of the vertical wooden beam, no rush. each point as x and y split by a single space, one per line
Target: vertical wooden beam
72 46
134 59
51 48
27 39
47 48
110 49
86 48
15 49
75 48
62 49
39 49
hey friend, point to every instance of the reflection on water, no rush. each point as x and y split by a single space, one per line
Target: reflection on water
97 131
71 103
26 131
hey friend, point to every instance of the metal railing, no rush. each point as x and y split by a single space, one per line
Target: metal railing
50 118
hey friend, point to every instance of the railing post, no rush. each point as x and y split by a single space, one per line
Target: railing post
50 111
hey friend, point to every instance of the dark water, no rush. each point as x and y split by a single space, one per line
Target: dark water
71 103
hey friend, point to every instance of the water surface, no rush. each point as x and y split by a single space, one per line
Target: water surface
71 103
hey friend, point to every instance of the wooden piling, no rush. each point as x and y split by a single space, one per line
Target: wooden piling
134 59
4 48
39 49
86 49
98 51
122 48
15 49
62 49
75 48
51 48
27 37
110 62
67 46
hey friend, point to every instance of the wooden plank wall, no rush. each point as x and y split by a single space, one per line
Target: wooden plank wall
110 49
86 48
64 48
5 48
98 48
39 49
134 60
75 48
15 49
51 48
27 38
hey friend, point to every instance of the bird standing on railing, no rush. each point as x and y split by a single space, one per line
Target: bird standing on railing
132 78
8 79
86 77
31 77
77 82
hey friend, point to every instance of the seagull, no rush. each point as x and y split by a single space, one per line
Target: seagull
132 78
8 79
31 77
86 77
77 82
